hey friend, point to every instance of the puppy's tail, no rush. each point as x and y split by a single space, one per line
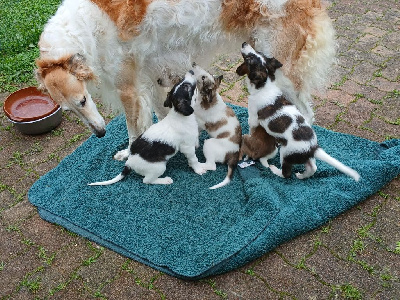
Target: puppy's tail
226 180
322 155
119 177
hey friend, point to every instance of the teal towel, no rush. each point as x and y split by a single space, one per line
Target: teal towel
189 231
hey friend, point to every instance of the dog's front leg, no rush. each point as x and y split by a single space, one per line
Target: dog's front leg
189 152
137 108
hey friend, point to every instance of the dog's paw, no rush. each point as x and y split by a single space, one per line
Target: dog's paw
276 171
200 170
166 180
301 176
208 166
122 155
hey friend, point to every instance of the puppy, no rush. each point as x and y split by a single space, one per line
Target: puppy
258 145
221 124
150 152
281 119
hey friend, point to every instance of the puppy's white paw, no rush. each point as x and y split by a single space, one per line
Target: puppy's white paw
208 167
276 171
122 155
300 176
200 170
167 180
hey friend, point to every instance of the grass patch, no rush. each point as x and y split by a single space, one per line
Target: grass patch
21 24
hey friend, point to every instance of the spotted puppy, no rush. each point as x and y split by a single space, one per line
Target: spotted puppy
281 119
221 124
178 131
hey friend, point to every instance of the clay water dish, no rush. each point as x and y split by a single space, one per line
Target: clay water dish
31 111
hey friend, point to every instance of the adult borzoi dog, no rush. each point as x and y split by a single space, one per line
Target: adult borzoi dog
118 49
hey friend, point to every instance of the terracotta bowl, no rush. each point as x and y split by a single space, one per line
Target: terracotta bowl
31 111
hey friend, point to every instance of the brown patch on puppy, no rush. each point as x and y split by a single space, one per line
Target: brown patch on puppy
280 124
223 135
231 159
303 133
126 14
257 144
270 110
241 15
210 127
229 112
237 137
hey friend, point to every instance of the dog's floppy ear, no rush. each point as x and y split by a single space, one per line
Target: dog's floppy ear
242 69
168 101
275 63
218 80
79 68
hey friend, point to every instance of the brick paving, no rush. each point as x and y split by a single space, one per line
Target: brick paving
354 256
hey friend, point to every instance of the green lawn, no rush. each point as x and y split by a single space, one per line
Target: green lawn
21 22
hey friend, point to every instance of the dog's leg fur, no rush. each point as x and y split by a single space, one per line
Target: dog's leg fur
189 152
137 111
311 168
264 159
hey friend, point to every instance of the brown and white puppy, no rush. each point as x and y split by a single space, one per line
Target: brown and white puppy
116 50
281 119
221 124
178 131
258 144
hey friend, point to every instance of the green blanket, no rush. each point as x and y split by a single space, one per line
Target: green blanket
185 229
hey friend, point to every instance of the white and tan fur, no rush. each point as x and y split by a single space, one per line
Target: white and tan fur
221 124
281 119
116 50
178 131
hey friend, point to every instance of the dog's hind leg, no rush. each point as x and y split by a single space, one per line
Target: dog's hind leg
209 154
311 168
264 160
153 172
285 172
164 180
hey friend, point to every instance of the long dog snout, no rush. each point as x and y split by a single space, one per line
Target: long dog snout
98 132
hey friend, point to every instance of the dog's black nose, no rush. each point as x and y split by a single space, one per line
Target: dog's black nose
100 133
244 44
191 72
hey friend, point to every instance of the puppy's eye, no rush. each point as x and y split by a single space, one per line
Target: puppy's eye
83 101
203 77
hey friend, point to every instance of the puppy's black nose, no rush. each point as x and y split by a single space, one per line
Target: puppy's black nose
244 44
191 72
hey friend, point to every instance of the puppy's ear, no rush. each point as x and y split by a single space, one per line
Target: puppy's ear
168 101
218 80
184 107
78 67
242 70
275 63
